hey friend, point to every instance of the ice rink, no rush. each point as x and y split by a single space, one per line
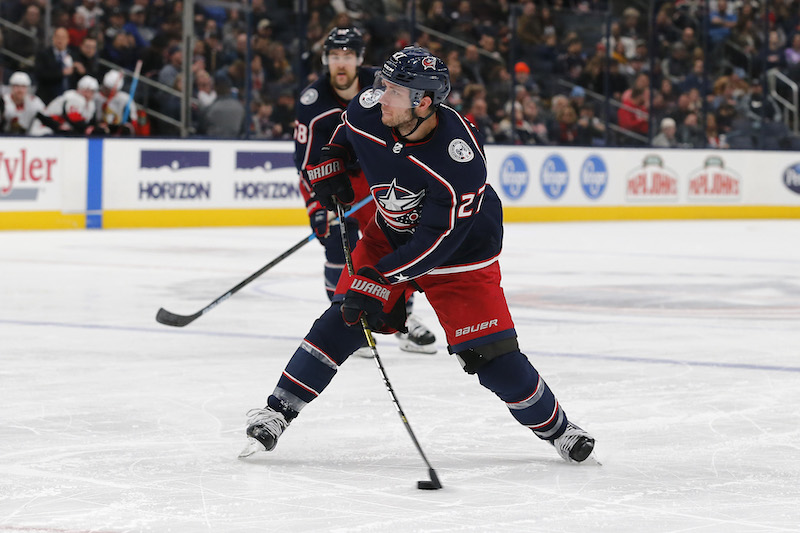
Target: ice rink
676 344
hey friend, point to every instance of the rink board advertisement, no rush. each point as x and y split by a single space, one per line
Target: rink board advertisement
199 183
42 183
128 183
556 183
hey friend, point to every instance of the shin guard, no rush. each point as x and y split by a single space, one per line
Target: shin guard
531 402
315 362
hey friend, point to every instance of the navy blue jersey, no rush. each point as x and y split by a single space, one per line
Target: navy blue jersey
319 111
434 204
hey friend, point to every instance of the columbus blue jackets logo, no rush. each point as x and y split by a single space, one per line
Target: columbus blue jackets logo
369 98
429 63
399 207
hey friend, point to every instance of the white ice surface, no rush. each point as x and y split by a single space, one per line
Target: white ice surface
677 344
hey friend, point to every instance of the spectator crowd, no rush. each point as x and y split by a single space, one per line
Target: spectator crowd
550 72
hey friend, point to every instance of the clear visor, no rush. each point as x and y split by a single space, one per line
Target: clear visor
340 56
392 94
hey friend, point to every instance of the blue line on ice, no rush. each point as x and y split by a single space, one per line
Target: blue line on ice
627 359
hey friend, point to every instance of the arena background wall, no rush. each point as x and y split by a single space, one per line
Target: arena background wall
137 183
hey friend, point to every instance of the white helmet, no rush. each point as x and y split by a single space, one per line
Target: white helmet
20 78
88 82
113 80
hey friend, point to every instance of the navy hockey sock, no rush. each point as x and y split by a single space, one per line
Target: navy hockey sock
531 402
410 304
313 365
332 273
334 254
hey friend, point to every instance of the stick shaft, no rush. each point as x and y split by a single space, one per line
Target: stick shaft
173 319
371 341
137 70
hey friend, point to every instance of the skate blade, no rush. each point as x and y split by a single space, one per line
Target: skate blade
412 347
593 459
252 447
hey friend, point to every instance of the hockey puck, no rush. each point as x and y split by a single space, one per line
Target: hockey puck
428 485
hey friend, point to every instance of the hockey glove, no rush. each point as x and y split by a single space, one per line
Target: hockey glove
329 178
368 293
318 216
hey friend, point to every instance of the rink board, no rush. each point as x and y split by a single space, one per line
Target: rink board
130 183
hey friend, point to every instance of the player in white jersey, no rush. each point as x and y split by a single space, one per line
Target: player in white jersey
111 101
18 108
72 113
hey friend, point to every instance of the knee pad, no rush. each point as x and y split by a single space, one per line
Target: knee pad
331 335
473 359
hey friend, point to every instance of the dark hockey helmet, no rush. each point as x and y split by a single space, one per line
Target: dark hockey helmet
418 70
344 39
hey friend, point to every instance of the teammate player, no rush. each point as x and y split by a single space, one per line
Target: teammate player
439 224
18 108
318 113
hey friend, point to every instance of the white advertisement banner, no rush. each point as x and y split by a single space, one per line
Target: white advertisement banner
581 177
193 174
52 175
44 175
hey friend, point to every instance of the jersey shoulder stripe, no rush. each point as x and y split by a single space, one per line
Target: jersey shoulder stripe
360 131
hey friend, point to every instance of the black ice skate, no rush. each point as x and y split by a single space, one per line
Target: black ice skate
263 429
574 445
419 338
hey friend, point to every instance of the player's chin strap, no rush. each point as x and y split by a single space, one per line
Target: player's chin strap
420 120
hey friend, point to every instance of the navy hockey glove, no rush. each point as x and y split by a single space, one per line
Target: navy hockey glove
329 178
368 293
318 216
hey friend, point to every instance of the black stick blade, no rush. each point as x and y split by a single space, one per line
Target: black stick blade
171 319
433 484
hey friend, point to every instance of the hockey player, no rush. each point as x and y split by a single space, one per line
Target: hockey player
439 224
111 101
318 112
72 113
18 108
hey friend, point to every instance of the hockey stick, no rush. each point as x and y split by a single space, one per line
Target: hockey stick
433 483
172 319
136 71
